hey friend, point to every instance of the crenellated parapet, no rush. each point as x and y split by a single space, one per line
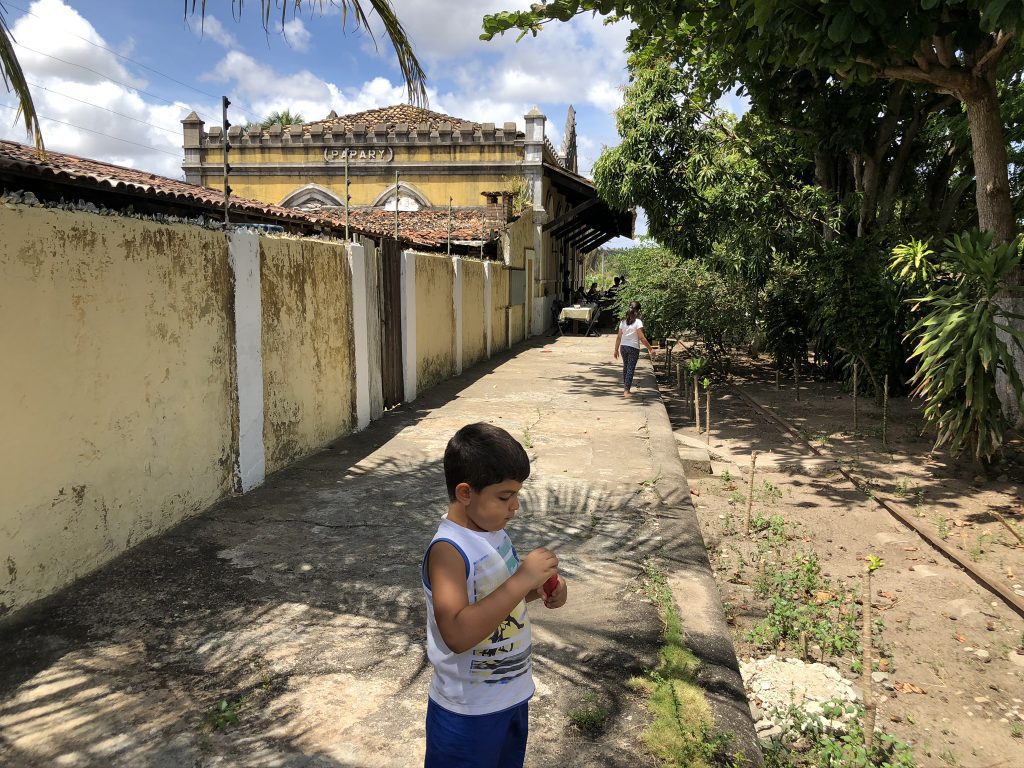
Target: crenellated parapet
361 134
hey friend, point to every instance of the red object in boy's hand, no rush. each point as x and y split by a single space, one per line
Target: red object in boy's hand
550 585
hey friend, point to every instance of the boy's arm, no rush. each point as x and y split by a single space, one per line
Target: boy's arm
463 625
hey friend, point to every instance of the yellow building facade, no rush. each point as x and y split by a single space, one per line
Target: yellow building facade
419 161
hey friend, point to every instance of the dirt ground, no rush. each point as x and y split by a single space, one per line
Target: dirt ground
951 676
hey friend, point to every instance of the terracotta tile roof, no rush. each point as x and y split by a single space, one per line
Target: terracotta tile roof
426 228
71 169
391 116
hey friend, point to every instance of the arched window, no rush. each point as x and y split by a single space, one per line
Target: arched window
405 196
311 197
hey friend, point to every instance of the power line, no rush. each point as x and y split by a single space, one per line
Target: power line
133 61
98 133
95 72
105 109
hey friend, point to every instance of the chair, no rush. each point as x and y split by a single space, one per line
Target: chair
557 323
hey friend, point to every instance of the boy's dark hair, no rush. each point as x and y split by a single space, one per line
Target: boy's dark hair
482 454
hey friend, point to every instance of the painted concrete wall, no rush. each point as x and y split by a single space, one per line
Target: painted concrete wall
308 365
474 330
517 238
117 385
435 320
499 305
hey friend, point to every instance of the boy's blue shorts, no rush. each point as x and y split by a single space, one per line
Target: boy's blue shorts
476 741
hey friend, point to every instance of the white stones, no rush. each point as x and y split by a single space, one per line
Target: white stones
777 686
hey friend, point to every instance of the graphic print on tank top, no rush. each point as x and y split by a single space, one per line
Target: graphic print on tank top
504 655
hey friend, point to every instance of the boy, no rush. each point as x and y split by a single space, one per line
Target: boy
478 632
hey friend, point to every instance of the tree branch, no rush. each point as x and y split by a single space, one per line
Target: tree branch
996 51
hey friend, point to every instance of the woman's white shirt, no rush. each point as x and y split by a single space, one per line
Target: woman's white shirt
630 335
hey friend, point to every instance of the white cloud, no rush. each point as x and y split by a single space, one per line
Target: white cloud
580 62
83 111
209 26
296 34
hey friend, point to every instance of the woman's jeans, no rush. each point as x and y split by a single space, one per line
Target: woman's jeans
630 356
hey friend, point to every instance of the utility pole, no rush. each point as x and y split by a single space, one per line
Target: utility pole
348 197
225 148
396 206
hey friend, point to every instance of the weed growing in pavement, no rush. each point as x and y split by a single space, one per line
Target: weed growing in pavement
729 525
736 498
1017 731
591 716
902 488
943 527
811 742
680 732
726 476
225 714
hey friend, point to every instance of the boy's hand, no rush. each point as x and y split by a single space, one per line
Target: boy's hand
538 566
558 595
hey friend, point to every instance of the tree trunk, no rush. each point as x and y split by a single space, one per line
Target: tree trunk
995 208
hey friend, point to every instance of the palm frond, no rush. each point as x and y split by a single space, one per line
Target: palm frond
413 74
14 80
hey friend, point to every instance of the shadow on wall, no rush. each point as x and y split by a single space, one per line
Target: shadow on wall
300 607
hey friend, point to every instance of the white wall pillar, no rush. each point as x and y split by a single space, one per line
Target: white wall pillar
457 306
244 258
488 313
409 324
360 333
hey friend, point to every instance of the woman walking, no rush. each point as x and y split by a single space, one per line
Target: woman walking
628 341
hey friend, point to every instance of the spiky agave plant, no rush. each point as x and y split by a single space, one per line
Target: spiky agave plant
957 341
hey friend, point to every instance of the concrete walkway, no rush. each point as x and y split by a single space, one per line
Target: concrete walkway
299 605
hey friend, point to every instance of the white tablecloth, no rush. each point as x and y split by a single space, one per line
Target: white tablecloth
584 312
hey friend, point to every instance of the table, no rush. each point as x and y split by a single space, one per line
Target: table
588 313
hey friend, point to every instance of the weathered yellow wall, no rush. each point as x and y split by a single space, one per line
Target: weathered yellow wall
118 386
435 320
474 332
308 357
499 303
518 237
436 185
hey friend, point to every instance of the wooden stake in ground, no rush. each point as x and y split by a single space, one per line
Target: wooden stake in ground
750 493
796 378
696 403
707 411
668 358
778 376
680 380
885 410
1009 527
874 563
855 398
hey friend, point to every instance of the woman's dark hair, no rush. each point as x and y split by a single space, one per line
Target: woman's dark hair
632 312
482 454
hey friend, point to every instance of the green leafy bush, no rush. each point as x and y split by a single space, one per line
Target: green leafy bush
957 345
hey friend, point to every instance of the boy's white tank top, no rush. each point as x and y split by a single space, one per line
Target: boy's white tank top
497 673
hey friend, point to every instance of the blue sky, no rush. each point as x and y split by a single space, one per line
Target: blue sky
115 77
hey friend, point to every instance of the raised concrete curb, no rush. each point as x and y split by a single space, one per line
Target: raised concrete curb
694 455
694 588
